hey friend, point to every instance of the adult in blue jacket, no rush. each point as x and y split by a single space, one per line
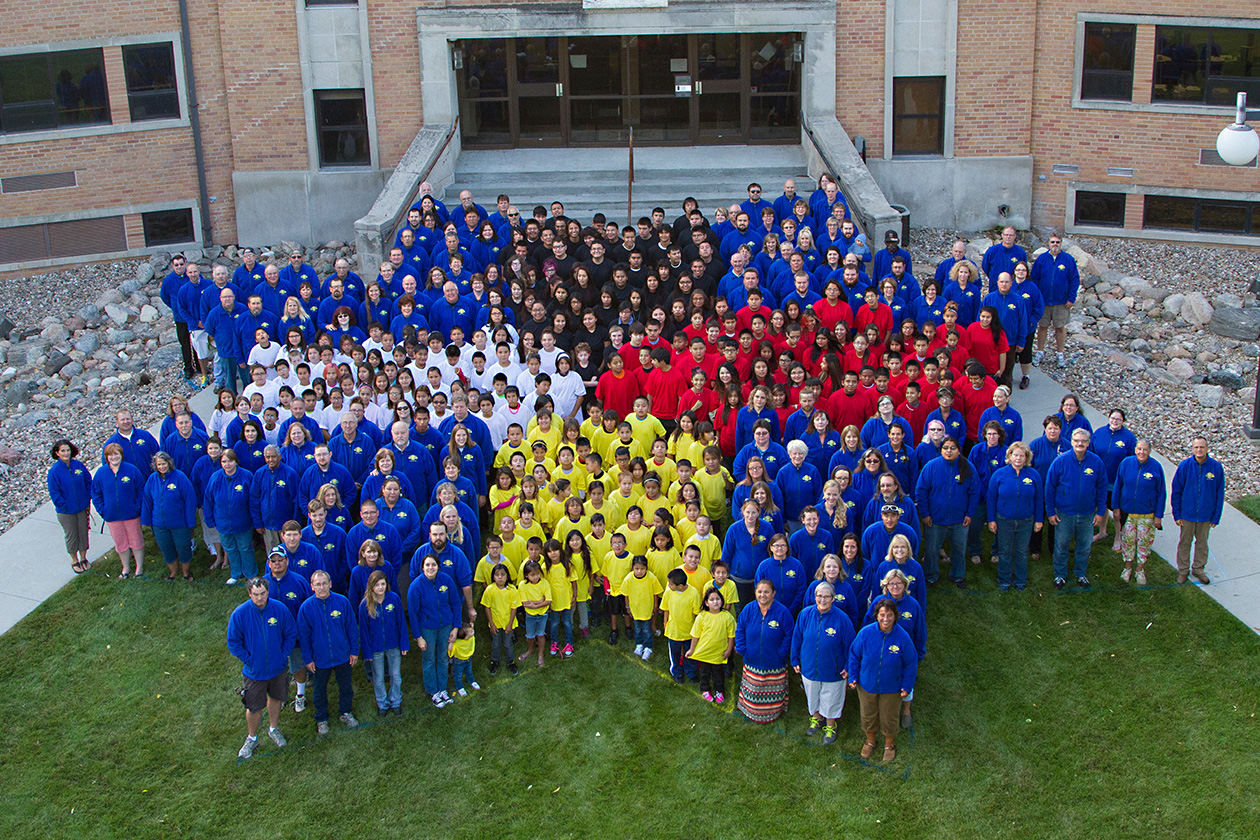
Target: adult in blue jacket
1138 495
401 514
831 572
329 539
763 638
138 446
799 482
1004 415
1034 309
948 495
450 310
1076 499
902 460
169 508
875 431
878 536
772 454
1070 417
883 666
1113 443
221 326
748 417
785 572
433 603
900 559
1059 280
1045 449
353 450
1198 500
261 633
384 640
324 471
911 616
1013 315
1015 505
227 503
413 461
117 490
370 527
292 590
746 544
70 488
812 542
889 492
274 498
1002 256
820 654
328 631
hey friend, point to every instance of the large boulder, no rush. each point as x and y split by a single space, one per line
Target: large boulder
1209 396
1196 310
1226 378
1243 324
1181 369
1113 308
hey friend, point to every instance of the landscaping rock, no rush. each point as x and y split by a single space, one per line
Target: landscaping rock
1181 369
1196 310
1242 324
1127 361
1209 396
1227 300
1113 308
1226 378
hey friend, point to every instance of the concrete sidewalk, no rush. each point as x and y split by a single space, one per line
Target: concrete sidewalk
33 560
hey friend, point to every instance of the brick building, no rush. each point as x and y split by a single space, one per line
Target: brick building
166 123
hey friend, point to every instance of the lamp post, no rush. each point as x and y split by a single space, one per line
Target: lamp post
1238 144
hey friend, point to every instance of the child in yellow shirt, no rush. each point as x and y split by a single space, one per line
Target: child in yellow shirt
460 652
560 574
585 571
642 592
712 640
535 598
501 599
680 606
697 575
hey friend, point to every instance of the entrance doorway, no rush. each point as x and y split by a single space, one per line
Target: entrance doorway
679 90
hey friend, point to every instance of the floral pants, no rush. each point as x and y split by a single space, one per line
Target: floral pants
1136 537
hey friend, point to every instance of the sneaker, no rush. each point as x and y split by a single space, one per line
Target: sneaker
1062 360
446 698
829 735
321 728
568 651
707 696
277 736
1182 577
397 710
960 583
437 700
612 637
230 582
513 669
1125 574
586 632
975 559
299 704
719 698
1004 587
380 713
657 633
473 685
1140 577
680 680
494 668
555 650
814 724
1082 582
638 650
1059 583
1201 577
1024 382
647 654
247 749
462 693
1038 355
349 720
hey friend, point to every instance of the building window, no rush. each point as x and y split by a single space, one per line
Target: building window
168 227
151 91
310 3
1107 65
919 115
53 90
341 120
1171 212
1100 209
1205 66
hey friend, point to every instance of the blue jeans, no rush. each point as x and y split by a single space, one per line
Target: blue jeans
501 639
557 618
227 371
1012 550
345 690
240 552
1080 526
434 659
463 671
175 544
391 661
934 537
643 632
979 523
679 664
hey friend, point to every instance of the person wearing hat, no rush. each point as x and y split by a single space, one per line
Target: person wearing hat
261 633
883 260
292 590
877 536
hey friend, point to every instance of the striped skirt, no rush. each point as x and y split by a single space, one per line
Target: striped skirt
763 695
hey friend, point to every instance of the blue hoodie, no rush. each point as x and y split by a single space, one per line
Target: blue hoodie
169 502
385 632
292 590
70 487
262 639
846 600
1139 487
185 451
433 604
331 545
910 617
743 551
1016 496
273 500
764 641
117 497
227 502
1198 491
328 630
137 451
943 495
789 580
883 663
1076 487
821 642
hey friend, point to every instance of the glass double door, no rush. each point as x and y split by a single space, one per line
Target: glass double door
589 90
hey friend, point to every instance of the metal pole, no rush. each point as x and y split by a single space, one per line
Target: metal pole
630 181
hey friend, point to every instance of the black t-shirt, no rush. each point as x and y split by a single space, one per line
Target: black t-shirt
536 328
596 338
638 279
619 253
600 274
564 265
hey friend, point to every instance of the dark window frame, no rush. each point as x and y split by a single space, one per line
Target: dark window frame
1107 84
1251 220
153 220
1103 196
327 158
36 109
938 115
151 99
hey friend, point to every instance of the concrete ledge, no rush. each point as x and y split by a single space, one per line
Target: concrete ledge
319 205
829 149
977 187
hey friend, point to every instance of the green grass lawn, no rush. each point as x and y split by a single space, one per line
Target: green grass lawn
1250 506
1119 712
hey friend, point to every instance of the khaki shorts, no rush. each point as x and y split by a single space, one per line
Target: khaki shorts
1055 316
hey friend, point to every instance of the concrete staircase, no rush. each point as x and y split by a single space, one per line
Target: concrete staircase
590 181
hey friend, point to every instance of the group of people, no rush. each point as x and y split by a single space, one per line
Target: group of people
739 434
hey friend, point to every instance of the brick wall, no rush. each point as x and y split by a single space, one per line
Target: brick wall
860 71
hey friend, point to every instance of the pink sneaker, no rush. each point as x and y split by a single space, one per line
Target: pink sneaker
719 698
707 696
555 649
568 651
586 632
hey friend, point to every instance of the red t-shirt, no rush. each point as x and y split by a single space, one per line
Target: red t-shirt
725 429
830 315
882 317
743 318
916 417
709 364
702 404
618 392
846 410
664 387
975 402
630 354
984 348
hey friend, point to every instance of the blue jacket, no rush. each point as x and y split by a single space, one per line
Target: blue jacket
913 572
883 663
169 292
250 455
1009 419
1011 312
228 500
876 539
273 500
405 519
315 478
810 550
296 459
1076 487
385 632
774 456
331 545
1112 447
821 642
306 560
200 476
909 512
1058 278
845 599
1034 303
138 451
744 552
188 296
117 497
221 324
998 258
472 465
789 580
292 590
433 604
1044 452
417 465
985 460
169 503
373 481
466 515
328 630
1016 496
800 487
943 495
185 451
1078 421
1139 487
875 431
764 641
744 421
1198 491
904 464
384 534
356 456
955 424
262 639
451 561
359 577
70 487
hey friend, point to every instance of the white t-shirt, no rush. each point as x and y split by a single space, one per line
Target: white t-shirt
265 356
565 391
270 392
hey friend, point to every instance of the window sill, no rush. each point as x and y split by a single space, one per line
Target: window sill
89 131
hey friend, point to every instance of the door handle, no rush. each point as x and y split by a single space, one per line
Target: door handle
699 88
559 89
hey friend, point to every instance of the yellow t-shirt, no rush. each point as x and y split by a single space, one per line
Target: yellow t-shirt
713 632
577 476
463 648
564 525
685 527
680 445
713 491
602 442
506 451
730 594
700 578
499 496
524 533
485 569
710 548
666 471
540 591
682 605
637 541
551 437
502 604
581 578
514 554
651 506
561 581
547 463
637 450
615 569
640 594
693 453
645 431
613 518
599 546
661 563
